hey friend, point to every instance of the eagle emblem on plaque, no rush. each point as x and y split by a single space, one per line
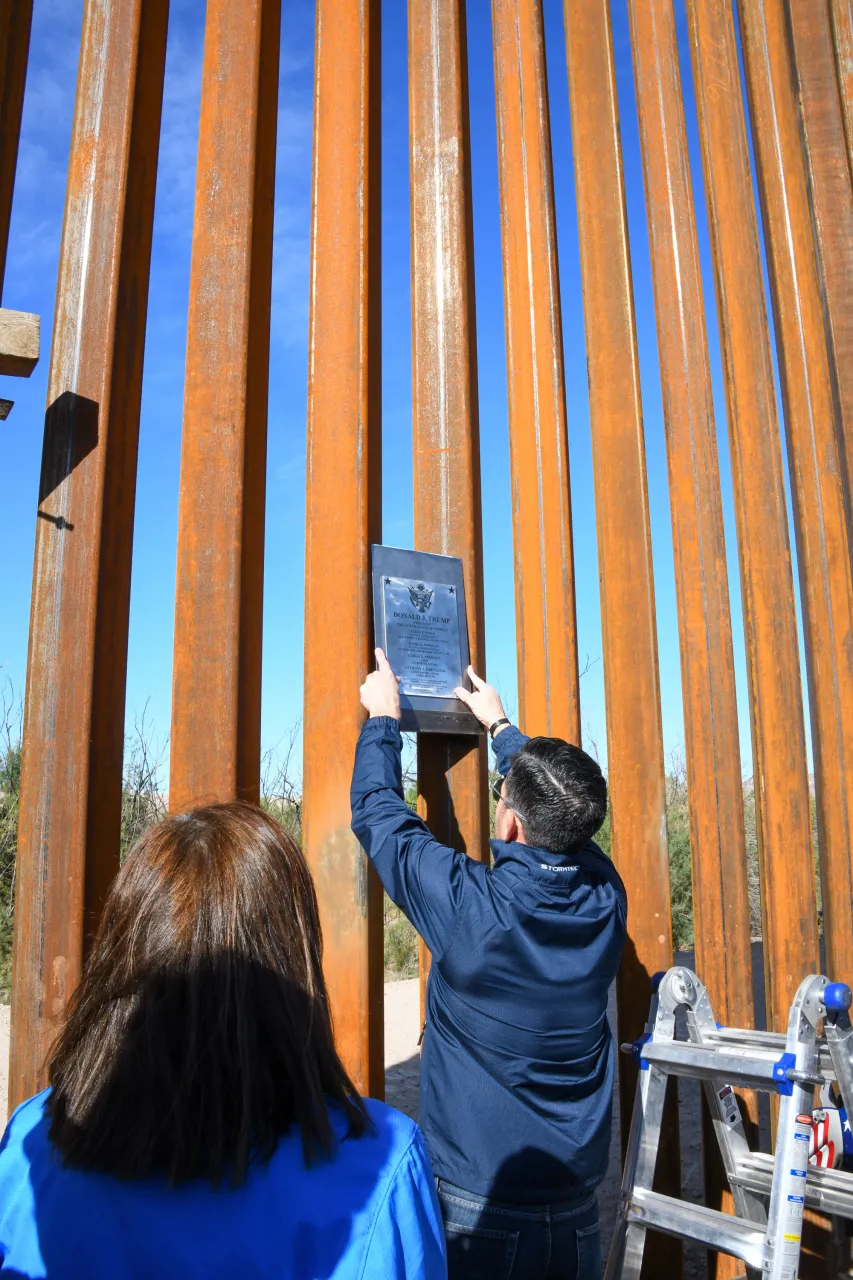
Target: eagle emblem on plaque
421 596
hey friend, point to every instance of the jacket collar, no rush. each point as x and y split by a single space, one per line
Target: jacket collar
529 856
544 865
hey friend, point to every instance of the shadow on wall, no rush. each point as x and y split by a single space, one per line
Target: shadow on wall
70 435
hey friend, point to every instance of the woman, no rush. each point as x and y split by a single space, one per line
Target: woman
199 1121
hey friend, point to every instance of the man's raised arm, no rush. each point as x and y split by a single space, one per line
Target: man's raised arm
485 703
427 880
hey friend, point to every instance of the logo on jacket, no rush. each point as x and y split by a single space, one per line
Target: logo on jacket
421 596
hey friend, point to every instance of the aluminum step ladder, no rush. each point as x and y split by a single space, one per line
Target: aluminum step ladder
770 1192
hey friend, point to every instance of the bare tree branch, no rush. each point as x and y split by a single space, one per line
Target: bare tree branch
281 790
143 797
588 664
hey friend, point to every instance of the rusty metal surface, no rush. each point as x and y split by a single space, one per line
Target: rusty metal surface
778 736
216 694
68 844
815 465
546 634
344 513
841 16
634 737
452 777
16 17
717 844
831 198
710 707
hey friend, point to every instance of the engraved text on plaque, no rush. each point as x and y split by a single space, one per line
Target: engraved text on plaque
422 636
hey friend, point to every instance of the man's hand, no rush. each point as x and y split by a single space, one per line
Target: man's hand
380 693
483 701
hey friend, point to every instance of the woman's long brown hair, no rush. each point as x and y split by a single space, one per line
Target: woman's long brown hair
200 1032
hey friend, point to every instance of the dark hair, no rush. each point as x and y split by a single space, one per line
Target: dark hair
200 1032
559 793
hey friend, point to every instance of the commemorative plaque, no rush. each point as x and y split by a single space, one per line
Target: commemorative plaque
420 622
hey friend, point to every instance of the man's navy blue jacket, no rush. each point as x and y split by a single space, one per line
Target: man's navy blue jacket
517 1066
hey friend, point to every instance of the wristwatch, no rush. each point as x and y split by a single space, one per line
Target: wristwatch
497 725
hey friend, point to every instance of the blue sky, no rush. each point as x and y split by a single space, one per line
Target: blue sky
31 282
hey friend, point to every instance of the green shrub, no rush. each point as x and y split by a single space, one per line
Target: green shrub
286 811
678 844
10 785
401 950
401 944
602 836
143 804
680 882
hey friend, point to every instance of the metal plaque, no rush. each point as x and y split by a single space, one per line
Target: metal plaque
422 636
420 623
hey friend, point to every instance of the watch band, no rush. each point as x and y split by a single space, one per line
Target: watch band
497 724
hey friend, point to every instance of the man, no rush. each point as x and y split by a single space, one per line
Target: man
517 1066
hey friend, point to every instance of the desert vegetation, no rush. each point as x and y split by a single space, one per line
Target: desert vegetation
144 802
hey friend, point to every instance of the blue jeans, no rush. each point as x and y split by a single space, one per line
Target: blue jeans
488 1240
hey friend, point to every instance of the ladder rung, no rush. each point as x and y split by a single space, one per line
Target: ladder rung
705 1062
689 1221
768 1041
828 1189
794 1064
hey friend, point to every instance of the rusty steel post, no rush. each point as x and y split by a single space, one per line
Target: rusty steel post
634 735
216 693
831 198
16 19
841 14
546 633
452 775
70 815
814 444
344 513
819 512
717 844
778 735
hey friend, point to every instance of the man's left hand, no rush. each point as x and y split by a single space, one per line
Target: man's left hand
380 693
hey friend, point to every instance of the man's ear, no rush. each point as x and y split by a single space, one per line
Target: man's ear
511 827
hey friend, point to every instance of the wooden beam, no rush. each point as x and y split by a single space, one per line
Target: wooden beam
19 342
